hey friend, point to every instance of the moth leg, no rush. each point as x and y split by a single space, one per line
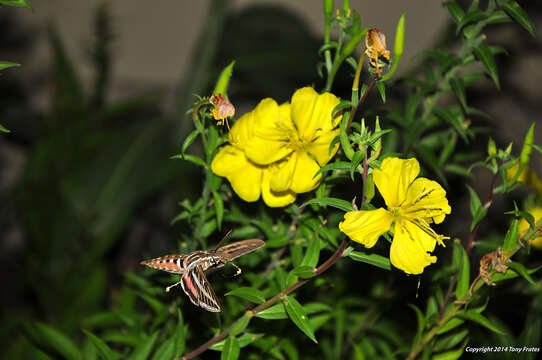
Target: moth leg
172 286
239 271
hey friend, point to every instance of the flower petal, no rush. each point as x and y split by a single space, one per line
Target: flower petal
394 177
426 199
311 111
271 133
282 177
303 178
366 226
410 248
319 148
242 130
272 198
245 177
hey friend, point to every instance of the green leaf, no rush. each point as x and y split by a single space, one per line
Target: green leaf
244 340
16 3
142 351
356 160
522 270
511 238
166 351
249 293
343 136
56 340
338 165
7 64
449 341
298 315
231 349
189 139
526 150
274 312
381 86
455 11
515 11
180 335
483 53
219 209
102 347
450 325
313 253
420 321
510 274
306 272
482 320
193 159
223 80
371 259
459 91
239 326
398 46
334 202
463 278
3 129
452 354
478 211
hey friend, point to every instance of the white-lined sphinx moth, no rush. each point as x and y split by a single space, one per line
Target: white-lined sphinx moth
192 269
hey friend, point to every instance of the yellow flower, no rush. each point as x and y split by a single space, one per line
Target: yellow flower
276 150
412 205
527 176
524 226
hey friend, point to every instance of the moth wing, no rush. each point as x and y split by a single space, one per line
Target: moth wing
238 248
198 289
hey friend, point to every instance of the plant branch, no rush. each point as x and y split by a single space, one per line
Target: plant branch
319 270
489 200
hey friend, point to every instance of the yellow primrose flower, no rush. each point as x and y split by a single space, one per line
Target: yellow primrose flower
275 150
247 179
295 138
524 226
412 205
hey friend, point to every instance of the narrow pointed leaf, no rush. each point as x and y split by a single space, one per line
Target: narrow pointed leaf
336 203
511 238
248 293
224 80
142 351
522 270
102 347
526 150
3 129
231 349
7 64
180 336
371 259
313 253
463 278
482 320
515 11
274 312
483 53
56 340
299 317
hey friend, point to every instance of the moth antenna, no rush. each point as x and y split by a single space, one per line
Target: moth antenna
221 241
